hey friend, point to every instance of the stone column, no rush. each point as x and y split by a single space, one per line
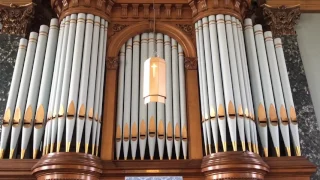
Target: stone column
15 21
282 21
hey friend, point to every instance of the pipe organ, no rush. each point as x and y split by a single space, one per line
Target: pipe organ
153 124
57 89
243 88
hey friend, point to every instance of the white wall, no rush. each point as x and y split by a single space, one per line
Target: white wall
308 30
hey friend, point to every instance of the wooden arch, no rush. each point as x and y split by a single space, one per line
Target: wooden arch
120 38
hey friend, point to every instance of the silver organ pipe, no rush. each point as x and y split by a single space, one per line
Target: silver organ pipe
143 111
293 124
23 92
14 90
44 91
277 89
84 82
204 85
135 98
267 87
137 49
211 89
152 107
220 108
160 106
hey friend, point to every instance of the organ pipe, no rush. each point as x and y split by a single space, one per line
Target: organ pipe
211 88
169 105
92 82
38 120
204 85
135 98
160 106
287 95
267 87
277 89
127 97
258 99
84 81
74 80
226 78
183 111
143 111
217 81
13 92
23 90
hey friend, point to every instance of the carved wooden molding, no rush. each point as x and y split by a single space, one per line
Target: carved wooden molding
16 19
305 5
100 8
191 63
281 19
187 28
112 63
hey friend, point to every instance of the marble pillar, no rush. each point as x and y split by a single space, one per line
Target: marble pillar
282 21
8 51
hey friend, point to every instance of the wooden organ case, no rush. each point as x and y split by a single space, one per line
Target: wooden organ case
209 136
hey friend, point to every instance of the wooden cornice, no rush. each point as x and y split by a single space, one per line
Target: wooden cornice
305 5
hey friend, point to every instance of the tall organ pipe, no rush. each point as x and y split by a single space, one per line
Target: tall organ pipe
119 126
143 113
14 90
160 106
183 112
211 88
277 89
152 107
60 78
102 86
176 98
66 83
204 85
44 92
258 99
135 98
50 115
218 81
169 106
235 80
74 81
238 84
23 91
267 87
226 78
204 128
82 107
287 95
92 82
98 84
127 97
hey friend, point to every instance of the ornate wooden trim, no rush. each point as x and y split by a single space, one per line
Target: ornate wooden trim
191 63
120 38
306 6
112 62
16 19
203 8
281 19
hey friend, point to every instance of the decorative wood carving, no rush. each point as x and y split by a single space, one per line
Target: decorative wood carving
157 10
187 28
16 19
168 10
179 10
234 165
112 62
305 5
191 63
281 19
68 166
146 9
135 10
193 7
124 10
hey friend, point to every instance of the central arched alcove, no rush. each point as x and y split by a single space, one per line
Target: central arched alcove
155 130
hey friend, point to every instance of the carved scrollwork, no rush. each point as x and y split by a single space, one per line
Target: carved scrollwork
112 63
187 28
16 19
119 27
282 19
191 63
